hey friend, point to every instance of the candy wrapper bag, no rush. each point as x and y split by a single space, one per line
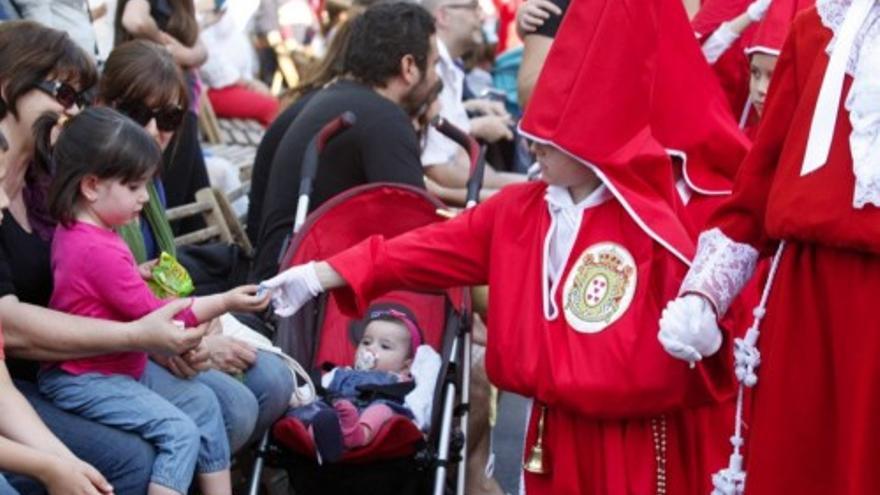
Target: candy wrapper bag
170 278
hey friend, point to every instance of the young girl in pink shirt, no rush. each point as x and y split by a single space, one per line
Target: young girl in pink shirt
103 161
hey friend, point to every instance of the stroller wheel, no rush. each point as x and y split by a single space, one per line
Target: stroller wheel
327 435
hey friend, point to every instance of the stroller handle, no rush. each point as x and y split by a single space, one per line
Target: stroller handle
334 127
476 153
310 162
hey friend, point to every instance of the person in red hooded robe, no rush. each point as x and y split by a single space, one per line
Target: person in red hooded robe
723 28
809 188
579 264
762 51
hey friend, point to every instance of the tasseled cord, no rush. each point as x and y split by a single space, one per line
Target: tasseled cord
732 479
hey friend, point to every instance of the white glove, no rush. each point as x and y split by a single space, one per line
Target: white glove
757 9
292 288
688 329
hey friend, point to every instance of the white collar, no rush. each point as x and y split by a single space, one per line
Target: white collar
565 222
444 57
558 197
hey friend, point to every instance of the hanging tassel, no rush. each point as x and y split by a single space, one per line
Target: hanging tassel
732 479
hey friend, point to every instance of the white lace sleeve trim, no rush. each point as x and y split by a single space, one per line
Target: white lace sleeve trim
720 269
833 12
863 104
863 100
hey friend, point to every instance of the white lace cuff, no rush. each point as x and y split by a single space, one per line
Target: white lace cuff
863 104
720 269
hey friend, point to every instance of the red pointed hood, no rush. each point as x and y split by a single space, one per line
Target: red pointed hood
771 32
690 114
616 94
713 12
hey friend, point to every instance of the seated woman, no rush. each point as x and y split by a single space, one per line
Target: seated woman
142 81
42 70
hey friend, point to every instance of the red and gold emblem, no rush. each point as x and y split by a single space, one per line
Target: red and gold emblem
599 288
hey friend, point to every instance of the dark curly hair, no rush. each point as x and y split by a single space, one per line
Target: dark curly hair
382 36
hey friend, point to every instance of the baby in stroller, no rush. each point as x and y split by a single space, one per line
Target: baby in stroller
358 400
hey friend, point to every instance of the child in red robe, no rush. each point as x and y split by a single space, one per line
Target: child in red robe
580 265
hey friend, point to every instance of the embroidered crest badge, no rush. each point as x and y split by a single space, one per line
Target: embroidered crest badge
599 288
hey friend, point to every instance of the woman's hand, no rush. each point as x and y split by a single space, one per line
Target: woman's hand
160 333
228 354
188 364
185 56
245 298
71 476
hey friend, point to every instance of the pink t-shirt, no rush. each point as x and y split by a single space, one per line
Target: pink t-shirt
96 275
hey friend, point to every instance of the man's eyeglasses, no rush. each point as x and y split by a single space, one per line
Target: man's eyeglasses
64 94
167 119
463 6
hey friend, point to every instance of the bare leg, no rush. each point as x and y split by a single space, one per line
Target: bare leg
216 483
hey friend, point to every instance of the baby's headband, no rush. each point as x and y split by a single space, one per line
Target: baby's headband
414 332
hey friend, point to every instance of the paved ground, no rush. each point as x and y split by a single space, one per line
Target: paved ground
508 441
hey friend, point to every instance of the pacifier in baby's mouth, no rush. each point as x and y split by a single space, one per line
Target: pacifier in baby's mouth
364 360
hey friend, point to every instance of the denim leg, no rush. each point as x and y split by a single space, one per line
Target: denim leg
270 381
6 488
238 404
123 402
199 403
124 458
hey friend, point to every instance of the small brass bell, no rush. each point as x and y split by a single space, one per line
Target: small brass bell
535 463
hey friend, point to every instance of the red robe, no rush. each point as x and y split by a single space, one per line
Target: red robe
814 425
614 397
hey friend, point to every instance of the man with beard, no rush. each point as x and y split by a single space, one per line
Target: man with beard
390 76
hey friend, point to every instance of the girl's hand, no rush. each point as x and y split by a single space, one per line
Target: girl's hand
244 298
63 476
532 15
145 269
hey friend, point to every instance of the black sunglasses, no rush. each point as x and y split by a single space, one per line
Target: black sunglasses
168 119
64 93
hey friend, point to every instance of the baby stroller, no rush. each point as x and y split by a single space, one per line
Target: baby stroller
401 459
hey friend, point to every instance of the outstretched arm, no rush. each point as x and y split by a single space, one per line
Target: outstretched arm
41 334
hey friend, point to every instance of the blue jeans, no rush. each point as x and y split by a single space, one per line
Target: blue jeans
258 402
123 458
6 488
181 419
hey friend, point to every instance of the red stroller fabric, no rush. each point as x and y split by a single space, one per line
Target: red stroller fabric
387 210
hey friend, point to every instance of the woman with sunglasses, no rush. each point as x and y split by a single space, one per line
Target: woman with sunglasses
141 80
172 24
42 70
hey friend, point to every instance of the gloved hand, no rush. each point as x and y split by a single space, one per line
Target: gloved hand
292 288
757 9
689 329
